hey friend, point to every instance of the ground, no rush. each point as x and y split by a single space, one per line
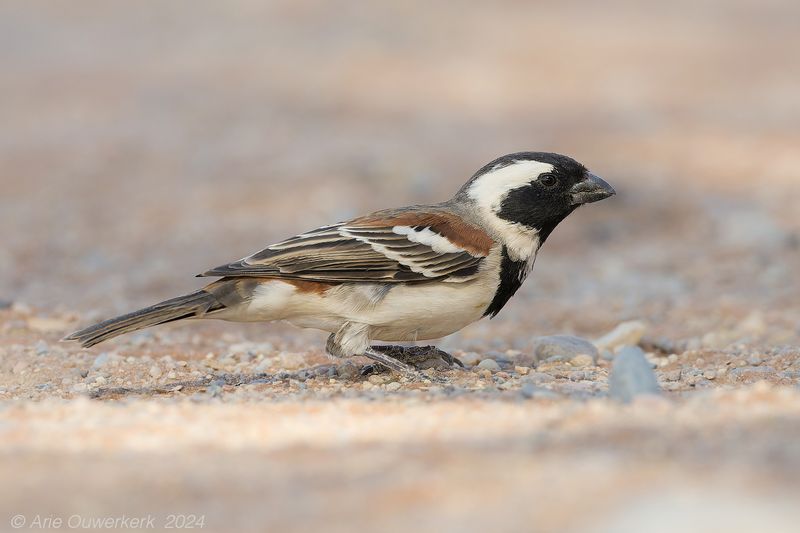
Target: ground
140 147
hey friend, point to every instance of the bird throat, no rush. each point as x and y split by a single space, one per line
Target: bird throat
512 274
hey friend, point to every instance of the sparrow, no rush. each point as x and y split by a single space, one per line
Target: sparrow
397 275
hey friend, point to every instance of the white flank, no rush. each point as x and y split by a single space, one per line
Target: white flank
439 244
491 189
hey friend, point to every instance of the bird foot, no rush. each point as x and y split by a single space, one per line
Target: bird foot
419 357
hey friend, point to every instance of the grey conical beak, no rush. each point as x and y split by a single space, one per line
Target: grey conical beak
591 189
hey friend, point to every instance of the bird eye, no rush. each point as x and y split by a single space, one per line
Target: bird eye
548 180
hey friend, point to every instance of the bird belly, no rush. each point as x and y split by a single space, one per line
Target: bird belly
427 311
393 312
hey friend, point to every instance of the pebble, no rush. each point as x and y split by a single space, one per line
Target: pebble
172 375
100 380
565 346
155 371
393 386
631 376
539 377
582 360
672 375
42 348
470 358
709 374
377 379
627 333
754 360
20 367
489 364
100 360
751 373
529 390
522 370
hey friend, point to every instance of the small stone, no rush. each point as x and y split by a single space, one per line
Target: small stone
20 367
577 375
377 379
627 333
470 358
672 358
539 377
529 390
672 375
582 360
172 375
631 376
155 371
751 374
489 364
564 346
754 360
522 370
215 389
100 380
100 360
393 386
42 348
709 374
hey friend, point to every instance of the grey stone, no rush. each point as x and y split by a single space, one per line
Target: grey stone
538 377
489 364
631 376
42 348
529 390
627 333
563 346
100 361
751 373
754 360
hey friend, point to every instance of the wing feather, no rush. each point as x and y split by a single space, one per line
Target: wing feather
390 247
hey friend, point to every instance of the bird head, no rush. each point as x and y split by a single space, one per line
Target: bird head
527 194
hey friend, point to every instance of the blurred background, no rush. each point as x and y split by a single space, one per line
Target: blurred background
142 143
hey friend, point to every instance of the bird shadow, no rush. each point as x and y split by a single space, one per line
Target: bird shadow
216 380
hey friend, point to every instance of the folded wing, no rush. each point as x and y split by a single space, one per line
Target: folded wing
388 246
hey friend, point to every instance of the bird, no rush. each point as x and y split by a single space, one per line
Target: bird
397 275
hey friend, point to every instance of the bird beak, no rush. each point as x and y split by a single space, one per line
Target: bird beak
591 189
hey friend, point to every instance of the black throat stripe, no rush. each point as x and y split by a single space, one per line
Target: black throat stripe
512 274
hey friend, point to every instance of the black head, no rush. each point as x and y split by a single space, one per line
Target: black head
534 190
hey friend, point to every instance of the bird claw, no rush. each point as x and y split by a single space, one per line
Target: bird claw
420 357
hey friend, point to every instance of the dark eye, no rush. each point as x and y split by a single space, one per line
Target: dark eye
548 180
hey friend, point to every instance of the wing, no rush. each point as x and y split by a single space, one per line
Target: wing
388 246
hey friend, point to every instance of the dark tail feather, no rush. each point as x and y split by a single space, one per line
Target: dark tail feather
195 304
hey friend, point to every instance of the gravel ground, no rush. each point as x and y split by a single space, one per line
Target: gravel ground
647 376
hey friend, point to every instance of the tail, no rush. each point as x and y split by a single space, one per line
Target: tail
195 304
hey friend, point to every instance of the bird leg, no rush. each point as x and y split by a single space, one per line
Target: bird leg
384 360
